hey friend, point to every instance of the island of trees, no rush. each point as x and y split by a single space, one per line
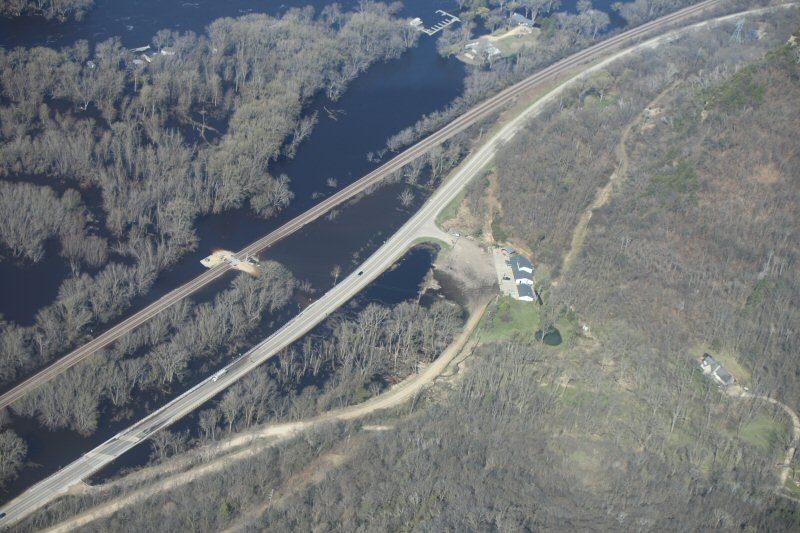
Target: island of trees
50 9
141 134
187 128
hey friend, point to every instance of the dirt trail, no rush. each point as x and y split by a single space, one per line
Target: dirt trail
786 467
517 30
602 196
313 474
397 395
256 441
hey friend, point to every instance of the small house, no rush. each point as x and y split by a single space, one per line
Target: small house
716 371
508 250
520 20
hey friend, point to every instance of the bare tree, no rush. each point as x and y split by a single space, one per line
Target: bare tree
12 452
335 273
406 198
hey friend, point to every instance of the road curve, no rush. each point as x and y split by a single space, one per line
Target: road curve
786 465
392 250
252 442
60 482
458 125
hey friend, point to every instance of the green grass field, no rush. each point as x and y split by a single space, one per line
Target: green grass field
451 209
508 318
762 431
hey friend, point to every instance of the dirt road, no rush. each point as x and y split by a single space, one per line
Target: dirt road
250 444
786 468
604 193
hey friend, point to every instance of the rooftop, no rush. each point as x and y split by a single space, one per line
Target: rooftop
522 268
516 18
525 291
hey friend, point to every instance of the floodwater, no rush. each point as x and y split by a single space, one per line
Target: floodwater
387 98
401 283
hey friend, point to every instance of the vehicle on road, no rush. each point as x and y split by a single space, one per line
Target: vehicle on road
219 374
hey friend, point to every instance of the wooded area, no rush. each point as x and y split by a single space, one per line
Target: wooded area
347 359
562 34
190 130
152 362
49 9
697 245
159 354
351 359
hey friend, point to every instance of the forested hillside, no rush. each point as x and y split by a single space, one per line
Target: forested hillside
186 128
693 248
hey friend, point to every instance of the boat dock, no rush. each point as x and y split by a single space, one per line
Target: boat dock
446 20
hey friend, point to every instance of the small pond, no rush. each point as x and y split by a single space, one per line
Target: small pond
551 338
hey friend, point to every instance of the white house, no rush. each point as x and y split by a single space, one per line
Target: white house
717 371
522 269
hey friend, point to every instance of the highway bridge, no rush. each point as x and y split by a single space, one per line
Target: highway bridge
392 250
416 228
474 115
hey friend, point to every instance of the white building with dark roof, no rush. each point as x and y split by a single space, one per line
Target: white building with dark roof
522 269
525 292
521 20
716 371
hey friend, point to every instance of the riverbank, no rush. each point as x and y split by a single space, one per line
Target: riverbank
502 43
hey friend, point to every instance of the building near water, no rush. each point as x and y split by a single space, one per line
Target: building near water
520 20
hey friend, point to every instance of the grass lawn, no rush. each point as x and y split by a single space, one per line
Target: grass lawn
575 395
596 103
791 487
451 209
509 43
761 431
508 318
566 328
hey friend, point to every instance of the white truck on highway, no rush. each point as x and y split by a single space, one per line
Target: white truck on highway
219 374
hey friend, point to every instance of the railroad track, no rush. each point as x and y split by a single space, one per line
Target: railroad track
475 114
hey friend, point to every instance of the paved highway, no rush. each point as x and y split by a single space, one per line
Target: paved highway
477 113
60 482
382 259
